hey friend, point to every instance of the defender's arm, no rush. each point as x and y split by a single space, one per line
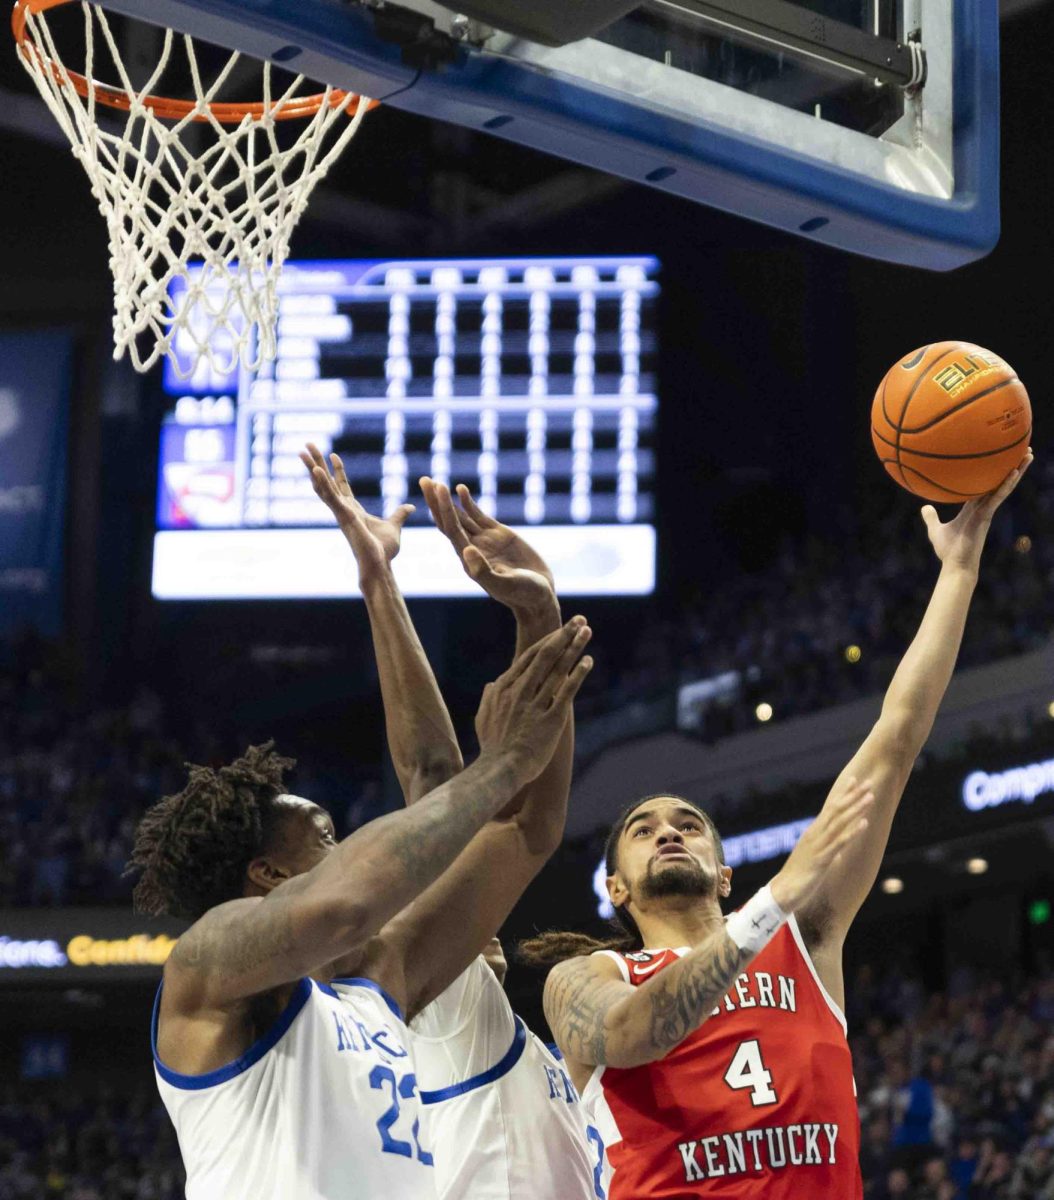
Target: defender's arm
440 934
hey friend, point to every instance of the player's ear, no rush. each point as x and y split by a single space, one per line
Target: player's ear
264 875
724 886
618 893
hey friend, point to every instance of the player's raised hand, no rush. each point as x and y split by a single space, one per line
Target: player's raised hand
524 711
842 819
374 540
960 541
497 558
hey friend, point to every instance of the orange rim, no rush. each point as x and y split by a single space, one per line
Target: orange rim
173 110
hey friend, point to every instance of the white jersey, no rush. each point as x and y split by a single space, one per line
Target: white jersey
501 1113
324 1106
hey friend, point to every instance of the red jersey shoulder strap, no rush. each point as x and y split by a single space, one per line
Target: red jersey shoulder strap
637 968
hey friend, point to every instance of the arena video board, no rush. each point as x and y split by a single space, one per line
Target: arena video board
531 380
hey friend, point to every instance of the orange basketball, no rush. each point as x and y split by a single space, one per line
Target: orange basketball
951 421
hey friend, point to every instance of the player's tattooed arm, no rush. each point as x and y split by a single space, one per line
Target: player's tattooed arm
909 709
421 737
254 945
600 1020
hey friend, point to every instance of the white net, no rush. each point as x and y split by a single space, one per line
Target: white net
189 187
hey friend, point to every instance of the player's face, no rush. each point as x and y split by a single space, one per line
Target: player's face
308 834
667 849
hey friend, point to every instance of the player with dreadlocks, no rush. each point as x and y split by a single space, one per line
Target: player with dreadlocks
712 1051
279 1087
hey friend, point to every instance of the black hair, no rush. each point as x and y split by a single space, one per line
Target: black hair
192 849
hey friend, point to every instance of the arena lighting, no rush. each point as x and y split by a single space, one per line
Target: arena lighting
977 866
892 886
605 909
757 845
763 712
1039 912
981 790
1050 710
853 654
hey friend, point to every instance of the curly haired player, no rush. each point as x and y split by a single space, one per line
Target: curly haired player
278 1086
712 1050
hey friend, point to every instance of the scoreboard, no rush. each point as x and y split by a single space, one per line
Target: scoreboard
531 380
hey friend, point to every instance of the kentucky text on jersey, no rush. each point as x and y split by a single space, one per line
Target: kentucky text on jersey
757 1103
353 1035
808 1144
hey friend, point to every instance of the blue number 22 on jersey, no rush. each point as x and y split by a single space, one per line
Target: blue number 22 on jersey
384 1079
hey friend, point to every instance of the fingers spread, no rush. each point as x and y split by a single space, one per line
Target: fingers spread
482 519
340 475
568 689
447 518
559 653
994 499
538 660
315 455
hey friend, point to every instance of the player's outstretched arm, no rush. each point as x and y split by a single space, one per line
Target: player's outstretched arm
433 940
888 754
512 572
251 946
421 736
600 1020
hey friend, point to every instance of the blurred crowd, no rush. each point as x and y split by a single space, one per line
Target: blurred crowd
74 782
956 1103
956 1089
83 1144
826 618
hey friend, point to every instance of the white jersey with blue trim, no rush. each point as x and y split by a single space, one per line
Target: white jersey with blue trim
324 1106
500 1111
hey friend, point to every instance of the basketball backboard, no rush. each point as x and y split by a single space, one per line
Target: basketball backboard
867 125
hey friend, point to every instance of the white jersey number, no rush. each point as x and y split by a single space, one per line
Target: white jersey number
746 1070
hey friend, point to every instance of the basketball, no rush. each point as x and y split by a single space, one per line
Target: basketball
950 421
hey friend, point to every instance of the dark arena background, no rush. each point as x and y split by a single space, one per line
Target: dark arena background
790 573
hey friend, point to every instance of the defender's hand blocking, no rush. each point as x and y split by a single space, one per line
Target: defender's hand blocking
497 558
959 542
524 711
374 540
842 819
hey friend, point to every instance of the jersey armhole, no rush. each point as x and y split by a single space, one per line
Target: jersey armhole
615 958
474 982
266 1041
832 1004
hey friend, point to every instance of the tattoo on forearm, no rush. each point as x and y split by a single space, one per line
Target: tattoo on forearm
680 1001
427 838
573 1013
676 1002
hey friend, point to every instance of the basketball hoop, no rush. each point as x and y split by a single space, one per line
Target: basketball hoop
232 202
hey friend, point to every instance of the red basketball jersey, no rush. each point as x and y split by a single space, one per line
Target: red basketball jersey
759 1102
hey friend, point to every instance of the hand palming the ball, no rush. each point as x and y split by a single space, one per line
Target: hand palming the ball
959 542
